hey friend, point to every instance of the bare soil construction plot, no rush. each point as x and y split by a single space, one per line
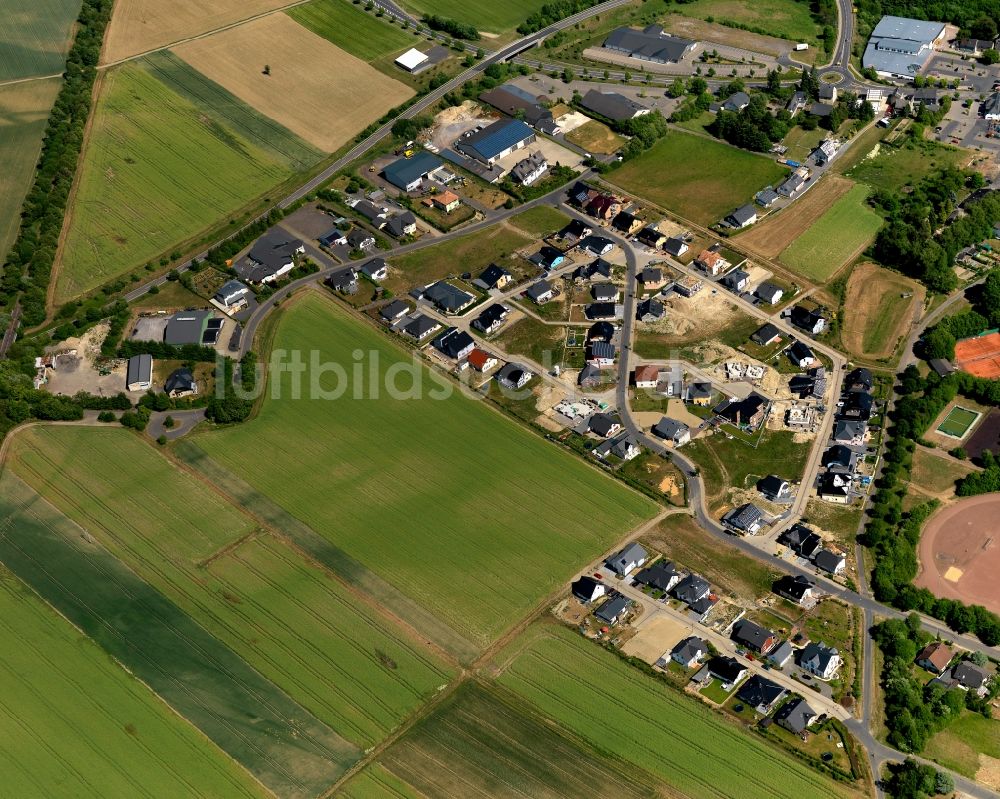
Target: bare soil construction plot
960 552
658 635
141 25
314 89
877 310
775 233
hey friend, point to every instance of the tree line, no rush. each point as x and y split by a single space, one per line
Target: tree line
939 341
553 12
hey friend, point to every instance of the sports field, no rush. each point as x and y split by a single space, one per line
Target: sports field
699 179
75 724
488 17
347 26
878 307
36 37
787 19
958 422
979 356
326 103
630 715
348 666
158 170
838 236
24 110
477 531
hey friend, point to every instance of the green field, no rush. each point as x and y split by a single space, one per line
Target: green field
468 514
697 178
542 220
75 724
286 748
24 110
493 749
375 782
965 744
303 632
844 230
895 167
36 37
352 29
630 715
488 17
786 19
958 421
157 171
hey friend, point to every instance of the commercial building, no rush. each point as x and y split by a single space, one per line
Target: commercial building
901 47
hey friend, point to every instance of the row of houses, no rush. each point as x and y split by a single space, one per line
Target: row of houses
848 443
807 544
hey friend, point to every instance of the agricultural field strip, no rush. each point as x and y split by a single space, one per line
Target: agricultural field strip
81 686
377 782
36 37
290 752
352 29
266 640
570 675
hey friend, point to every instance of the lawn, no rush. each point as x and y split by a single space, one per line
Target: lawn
487 17
541 221
286 748
786 19
636 717
542 343
964 744
448 526
351 29
595 137
158 170
36 37
835 238
495 749
800 142
348 666
697 178
75 724
895 167
24 110
934 474
471 253
958 421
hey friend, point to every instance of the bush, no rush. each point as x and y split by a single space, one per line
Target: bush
106 416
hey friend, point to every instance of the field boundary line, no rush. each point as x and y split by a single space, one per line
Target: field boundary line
232 546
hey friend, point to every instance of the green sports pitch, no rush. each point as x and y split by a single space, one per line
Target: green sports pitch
958 422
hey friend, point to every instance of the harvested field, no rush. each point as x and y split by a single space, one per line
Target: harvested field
960 552
24 110
351 29
633 716
986 436
700 30
979 356
411 511
326 104
837 237
493 749
595 137
36 37
770 237
876 312
138 26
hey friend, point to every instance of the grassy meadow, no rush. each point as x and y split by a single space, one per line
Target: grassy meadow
312 638
786 19
352 29
835 238
486 17
36 37
542 220
630 715
699 179
967 745
158 170
75 724
477 531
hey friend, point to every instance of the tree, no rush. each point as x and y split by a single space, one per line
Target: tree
267 69
943 782
984 28
567 75
990 56
169 422
773 82
677 88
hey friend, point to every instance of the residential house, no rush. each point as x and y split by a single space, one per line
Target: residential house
935 657
765 335
548 257
742 217
590 376
688 286
857 405
454 343
232 295
482 361
604 206
513 376
651 237
447 298
601 354
834 487
780 655
859 379
761 694
691 588
801 540
612 611
646 376
603 425
576 229
496 141
375 270
420 327
625 447
598 269
687 653
597 245
374 214
800 355
649 310
746 519
393 311
587 589
530 169
796 716
829 561
613 106
270 257
754 637
581 194
797 102
627 559
540 292
700 394
970 677
975 47
626 223
139 373
712 262
821 110
769 294
727 670
404 224
651 278
851 432
494 277
673 431
828 92
446 201
408 173
180 383
792 185
601 310
662 576
344 280
748 412
649 44
334 238
766 197
819 659
491 319
737 280
601 331
840 458
675 246
798 589
808 319
774 488
700 608
734 103
824 153
359 239
990 109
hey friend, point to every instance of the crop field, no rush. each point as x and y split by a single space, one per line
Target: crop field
75 724
697 178
287 749
878 307
302 631
328 103
24 110
375 782
447 526
36 37
493 749
351 29
157 171
487 17
635 717
838 236
138 26
787 19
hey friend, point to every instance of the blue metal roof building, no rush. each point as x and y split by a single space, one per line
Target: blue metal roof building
497 140
407 173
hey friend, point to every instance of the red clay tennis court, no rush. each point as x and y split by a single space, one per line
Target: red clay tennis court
979 356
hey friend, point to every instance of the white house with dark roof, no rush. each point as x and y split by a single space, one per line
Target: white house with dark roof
686 653
746 519
820 660
627 559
